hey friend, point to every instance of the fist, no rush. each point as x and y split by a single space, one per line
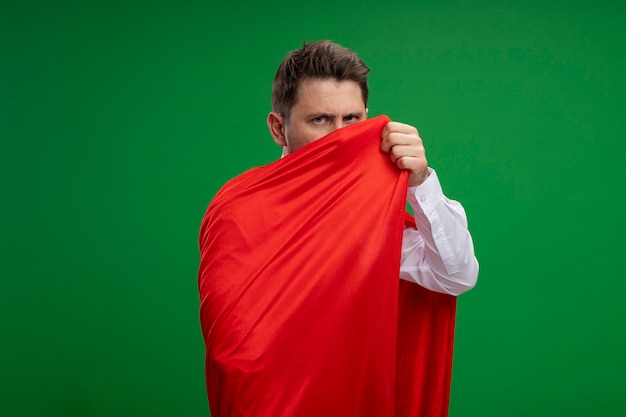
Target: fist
404 146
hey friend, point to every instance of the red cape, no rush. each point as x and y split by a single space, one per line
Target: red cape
300 308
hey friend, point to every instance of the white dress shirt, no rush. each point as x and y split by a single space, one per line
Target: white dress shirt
439 255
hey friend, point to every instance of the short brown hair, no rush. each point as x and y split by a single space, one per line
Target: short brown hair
316 60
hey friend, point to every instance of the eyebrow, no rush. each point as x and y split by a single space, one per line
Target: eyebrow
331 116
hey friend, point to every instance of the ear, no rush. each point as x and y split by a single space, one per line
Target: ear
276 125
366 112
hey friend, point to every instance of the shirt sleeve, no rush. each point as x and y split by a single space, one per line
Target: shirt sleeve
439 255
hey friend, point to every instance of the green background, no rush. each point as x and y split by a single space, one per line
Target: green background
120 120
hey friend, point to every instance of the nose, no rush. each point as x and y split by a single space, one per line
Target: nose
340 123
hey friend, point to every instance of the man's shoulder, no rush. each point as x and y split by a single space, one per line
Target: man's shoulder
233 191
243 179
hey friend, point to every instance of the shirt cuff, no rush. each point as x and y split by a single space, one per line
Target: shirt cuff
425 197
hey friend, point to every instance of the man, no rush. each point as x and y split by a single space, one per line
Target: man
323 87
299 314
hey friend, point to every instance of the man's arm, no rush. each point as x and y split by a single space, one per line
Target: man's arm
440 254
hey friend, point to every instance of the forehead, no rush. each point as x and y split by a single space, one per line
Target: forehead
328 92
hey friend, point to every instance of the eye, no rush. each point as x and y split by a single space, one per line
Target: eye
351 118
319 119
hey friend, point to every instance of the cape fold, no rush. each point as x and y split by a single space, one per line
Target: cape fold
301 307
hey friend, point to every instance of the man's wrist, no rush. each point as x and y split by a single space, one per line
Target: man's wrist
417 178
425 196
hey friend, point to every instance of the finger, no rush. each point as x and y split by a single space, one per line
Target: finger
398 127
400 139
399 151
412 163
